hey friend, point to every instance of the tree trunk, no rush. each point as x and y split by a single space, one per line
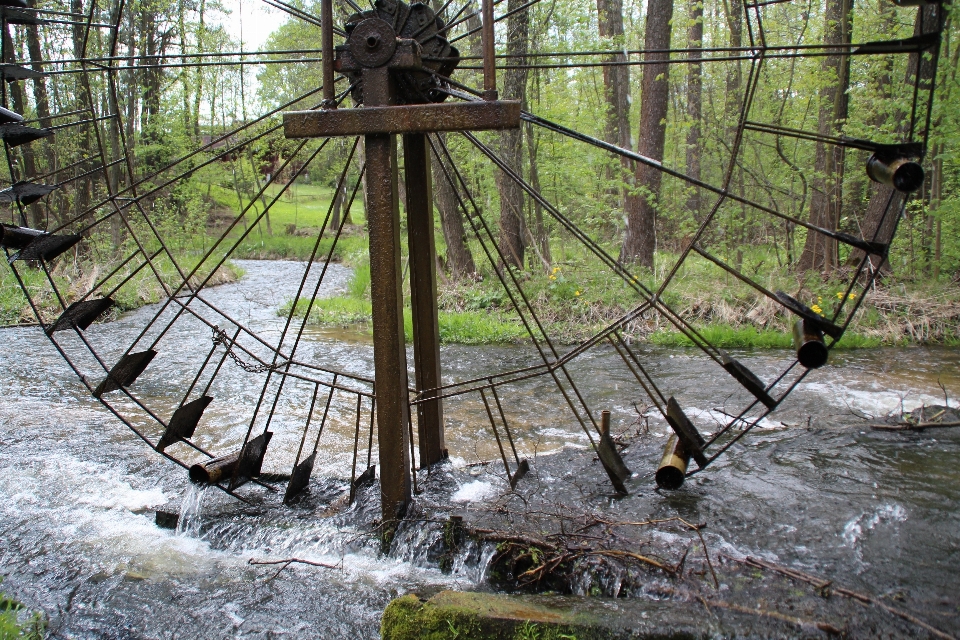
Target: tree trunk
616 79
819 251
459 257
695 105
640 238
512 227
540 238
883 209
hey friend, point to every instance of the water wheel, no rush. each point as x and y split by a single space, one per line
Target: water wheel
78 193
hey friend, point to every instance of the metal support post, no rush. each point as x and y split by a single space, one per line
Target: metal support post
423 294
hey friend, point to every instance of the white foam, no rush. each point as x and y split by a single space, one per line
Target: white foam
474 492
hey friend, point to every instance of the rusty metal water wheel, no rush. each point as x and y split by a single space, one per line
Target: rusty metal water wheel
390 72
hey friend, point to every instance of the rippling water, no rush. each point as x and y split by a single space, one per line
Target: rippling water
77 537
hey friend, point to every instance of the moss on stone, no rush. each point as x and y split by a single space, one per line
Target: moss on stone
484 616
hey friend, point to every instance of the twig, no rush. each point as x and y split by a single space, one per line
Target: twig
636 556
906 426
800 622
859 597
287 562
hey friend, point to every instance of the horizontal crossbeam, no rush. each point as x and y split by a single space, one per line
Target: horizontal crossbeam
414 118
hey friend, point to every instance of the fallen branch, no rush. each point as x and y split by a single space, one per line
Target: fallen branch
636 556
823 585
800 622
288 561
909 426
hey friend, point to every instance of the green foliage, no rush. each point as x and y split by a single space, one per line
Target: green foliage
14 625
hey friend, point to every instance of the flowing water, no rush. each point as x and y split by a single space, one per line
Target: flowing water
812 487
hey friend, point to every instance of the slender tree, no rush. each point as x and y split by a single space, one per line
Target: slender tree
512 224
819 251
640 238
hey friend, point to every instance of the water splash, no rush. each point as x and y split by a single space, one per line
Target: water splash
191 511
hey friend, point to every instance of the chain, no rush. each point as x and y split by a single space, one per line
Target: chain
220 337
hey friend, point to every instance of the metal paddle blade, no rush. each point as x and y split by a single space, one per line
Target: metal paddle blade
300 478
25 192
748 379
81 314
522 469
809 315
184 422
7 116
692 441
13 72
612 462
125 372
48 247
251 460
16 134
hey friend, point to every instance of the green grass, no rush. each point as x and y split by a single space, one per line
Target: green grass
11 625
746 337
456 327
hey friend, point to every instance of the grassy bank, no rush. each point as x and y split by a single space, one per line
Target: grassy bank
75 278
573 301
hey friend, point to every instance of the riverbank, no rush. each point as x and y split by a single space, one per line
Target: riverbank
75 278
572 303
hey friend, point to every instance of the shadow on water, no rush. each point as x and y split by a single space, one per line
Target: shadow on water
812 488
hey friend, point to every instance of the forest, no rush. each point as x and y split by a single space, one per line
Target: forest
158 141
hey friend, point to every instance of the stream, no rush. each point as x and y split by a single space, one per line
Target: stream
811 487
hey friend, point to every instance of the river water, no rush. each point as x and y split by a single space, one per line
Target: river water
813 487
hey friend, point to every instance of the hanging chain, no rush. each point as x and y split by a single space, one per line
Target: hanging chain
220 337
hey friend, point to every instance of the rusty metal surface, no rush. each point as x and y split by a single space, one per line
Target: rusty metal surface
251 460
808 339
81 314
326 52
184 422
750 381
125 372
687 433
300 478
423 294
389 352
488 42
673 467
419 118
809 315
610 457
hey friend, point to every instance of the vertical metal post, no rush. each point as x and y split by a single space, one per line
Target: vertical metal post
423 294
389 353
326 53
489 52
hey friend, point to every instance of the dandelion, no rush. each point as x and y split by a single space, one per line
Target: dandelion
816 308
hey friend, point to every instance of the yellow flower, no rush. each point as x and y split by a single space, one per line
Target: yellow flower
819 299
839 295
852 296
555 269
577 293
816 308
553 277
